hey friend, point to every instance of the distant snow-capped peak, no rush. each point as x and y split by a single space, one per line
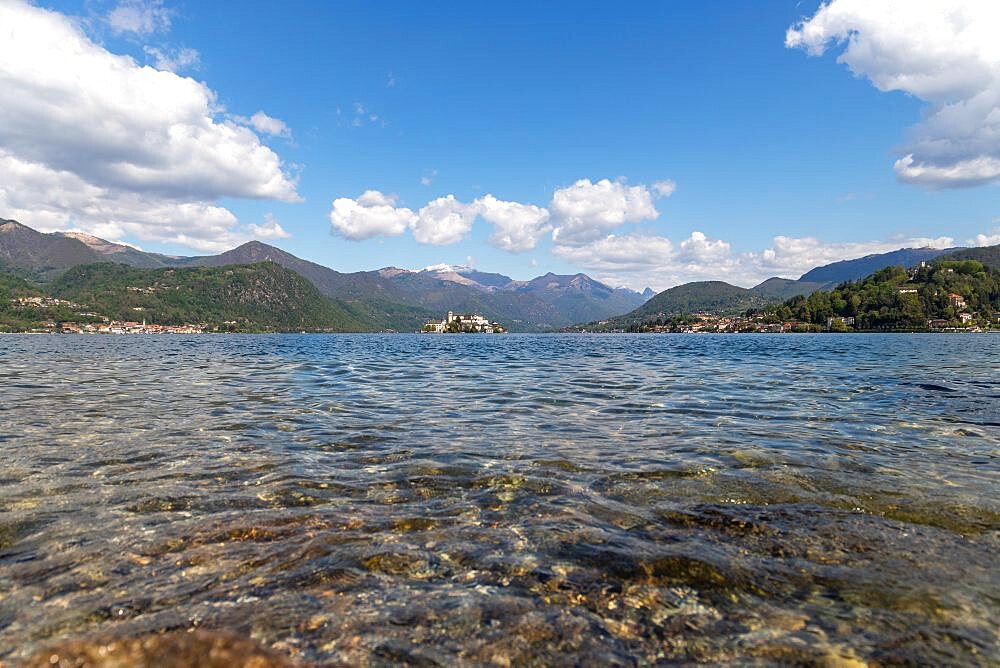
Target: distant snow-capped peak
447 268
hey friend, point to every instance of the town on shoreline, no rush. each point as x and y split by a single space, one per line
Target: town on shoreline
463 323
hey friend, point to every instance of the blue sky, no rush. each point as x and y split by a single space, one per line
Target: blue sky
519 100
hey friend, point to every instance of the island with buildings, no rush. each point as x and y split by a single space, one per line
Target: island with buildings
461 323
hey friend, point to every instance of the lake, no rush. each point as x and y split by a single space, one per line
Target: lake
507 499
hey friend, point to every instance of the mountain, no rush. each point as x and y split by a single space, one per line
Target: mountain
852 270
722 298
122 254
988 255
712 296
468 276
947 293
263 296
24 248
388 298
579 297
402 299
784 288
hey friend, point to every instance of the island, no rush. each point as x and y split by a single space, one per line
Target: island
462 323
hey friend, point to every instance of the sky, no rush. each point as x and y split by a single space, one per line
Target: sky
645 144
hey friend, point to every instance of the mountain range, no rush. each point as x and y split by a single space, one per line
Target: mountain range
385 299
392 298
719 298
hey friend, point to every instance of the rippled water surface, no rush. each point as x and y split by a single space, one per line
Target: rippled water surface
507 499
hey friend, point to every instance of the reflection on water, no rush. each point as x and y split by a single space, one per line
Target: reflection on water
376 499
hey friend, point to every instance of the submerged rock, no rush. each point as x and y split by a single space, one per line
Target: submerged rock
176 649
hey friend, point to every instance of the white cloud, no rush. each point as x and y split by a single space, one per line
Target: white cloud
790 257
986 239
699 248
90 139
585 211
267 125
428 178
50 200
174 60
141 17
371 215
516 227
271 229
619 255
443 221
945 53
638 260
664 188
446 220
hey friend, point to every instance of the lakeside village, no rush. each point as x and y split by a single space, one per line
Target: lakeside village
93 323
764 324
460 323
895 304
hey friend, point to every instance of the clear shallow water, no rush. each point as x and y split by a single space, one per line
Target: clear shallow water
508 499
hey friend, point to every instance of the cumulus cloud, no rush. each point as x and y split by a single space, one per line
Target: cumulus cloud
638 260
986 239
586 211
790 257
619 255
945 53
267 125
140 17
516 227
371 215
271 229
579 214
90 139
699 248
444 221
173 60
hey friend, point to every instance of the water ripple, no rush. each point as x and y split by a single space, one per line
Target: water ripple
508 499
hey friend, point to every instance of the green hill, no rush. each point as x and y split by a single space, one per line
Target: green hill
899 299
786 288
715 296
988 255
258 297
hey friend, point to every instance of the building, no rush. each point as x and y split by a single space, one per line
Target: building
956 301
464 322
965 317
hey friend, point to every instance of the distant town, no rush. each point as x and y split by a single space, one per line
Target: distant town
94 323
460 323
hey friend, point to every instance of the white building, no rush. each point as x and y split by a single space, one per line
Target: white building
464 322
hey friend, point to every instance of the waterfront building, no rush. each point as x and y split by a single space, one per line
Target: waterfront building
464 322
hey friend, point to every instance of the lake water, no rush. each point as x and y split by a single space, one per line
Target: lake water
507 499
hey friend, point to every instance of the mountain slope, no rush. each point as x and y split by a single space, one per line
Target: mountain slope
122 254
852 270
715 297
24 248
784 288
580 298
898 299
988 255
263 296
401 299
